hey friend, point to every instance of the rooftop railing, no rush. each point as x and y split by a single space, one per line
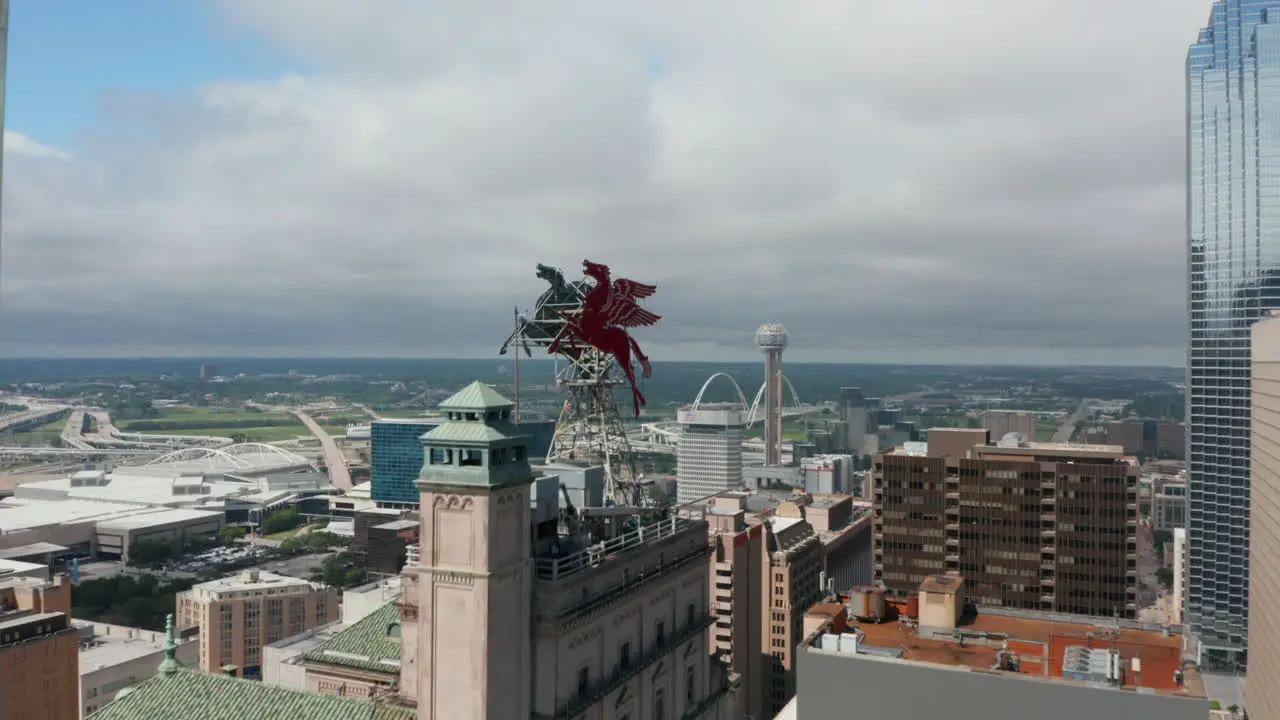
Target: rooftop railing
559 568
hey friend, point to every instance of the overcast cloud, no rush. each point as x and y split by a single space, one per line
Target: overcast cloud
910 181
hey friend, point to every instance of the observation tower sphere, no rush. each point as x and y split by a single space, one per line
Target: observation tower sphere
771 336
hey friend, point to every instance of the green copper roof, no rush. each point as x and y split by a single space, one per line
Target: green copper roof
367 645
466 432
476 397
187 695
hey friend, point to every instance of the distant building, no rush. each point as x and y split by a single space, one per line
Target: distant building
1150 438
240 615
828 474
1169 502
1039 526
395 454
382 538
395 459
932 658
709 458
39 650
1002 422
857 421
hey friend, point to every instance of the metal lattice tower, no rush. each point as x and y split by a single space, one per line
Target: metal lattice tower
590 429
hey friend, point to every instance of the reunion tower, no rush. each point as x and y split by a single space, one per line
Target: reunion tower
771 338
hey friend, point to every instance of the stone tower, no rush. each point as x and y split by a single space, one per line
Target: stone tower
465 606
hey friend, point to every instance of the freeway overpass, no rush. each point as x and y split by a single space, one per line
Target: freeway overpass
334 460
37 415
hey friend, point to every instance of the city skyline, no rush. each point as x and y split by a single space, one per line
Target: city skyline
259 206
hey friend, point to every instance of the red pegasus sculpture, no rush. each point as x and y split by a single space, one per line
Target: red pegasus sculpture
607 310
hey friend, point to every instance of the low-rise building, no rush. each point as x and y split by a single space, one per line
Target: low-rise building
114 657
939 656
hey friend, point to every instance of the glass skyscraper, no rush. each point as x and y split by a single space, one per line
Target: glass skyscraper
395 455
1233 258
395 459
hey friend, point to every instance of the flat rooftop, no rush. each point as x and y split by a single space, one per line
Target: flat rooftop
1039 641
156 518
116 644
250 580
16 567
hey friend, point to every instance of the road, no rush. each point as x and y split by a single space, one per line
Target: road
1068 427
30 415
334 460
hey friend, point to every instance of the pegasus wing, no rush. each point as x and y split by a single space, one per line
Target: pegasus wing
633 289
625 313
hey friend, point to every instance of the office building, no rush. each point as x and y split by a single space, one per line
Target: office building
1002 422
1263 682
1168 502
772 339
845 530
828 474
709 458
856 420
39 650
1149 438
114 657
738 563
395 459
932 658
793 583
240 615
1040 526
395 454
612 629
1231 65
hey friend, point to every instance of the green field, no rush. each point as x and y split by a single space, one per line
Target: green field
214 422
40 436
214 415
790 430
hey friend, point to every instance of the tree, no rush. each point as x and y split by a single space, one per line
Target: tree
281 521
230 533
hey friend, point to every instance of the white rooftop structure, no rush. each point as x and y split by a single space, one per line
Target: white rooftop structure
15 568
252 581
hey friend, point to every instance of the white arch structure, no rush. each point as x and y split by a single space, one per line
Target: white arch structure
742 398
233 457
754 405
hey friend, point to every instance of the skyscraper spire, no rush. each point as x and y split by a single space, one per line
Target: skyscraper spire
170 664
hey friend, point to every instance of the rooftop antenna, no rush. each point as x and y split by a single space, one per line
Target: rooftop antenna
523 345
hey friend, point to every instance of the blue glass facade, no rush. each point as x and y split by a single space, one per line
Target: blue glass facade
1233 259
395 458
395 454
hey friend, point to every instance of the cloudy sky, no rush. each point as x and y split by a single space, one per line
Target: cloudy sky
906 181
